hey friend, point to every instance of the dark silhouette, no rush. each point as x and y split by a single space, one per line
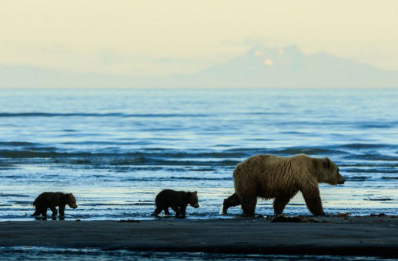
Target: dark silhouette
52 200
177 200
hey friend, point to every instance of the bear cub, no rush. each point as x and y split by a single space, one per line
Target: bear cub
177 200
52 200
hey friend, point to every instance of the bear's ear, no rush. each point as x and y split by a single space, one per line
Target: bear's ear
327 163
195 192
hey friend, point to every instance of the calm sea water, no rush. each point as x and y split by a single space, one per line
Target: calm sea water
115 149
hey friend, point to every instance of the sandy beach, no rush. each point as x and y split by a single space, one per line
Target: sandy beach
360 236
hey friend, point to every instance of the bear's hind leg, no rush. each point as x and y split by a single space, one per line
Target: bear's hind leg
313 200
249 207
280 203
166 211
62 210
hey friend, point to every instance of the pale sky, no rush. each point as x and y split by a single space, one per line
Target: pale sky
151 38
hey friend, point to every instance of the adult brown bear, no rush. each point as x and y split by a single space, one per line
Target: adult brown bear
268 176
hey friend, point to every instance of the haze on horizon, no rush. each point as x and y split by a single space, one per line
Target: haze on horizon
158 38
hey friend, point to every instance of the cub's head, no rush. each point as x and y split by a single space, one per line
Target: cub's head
192 198
328 172
71 200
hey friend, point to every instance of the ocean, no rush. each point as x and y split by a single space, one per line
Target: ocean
114 149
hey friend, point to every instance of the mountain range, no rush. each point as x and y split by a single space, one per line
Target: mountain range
260 67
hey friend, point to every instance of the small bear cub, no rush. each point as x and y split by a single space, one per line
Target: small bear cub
51 200
177 200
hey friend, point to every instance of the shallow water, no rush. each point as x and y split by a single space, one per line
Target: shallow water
42 253
115 149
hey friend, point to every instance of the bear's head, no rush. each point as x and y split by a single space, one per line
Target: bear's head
328 172
192 198
71 200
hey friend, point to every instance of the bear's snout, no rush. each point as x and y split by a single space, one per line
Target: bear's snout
341 180
196 205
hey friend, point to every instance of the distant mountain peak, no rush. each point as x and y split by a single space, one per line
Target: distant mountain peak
259 67
259 51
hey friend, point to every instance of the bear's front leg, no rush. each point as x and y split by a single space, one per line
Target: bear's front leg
183 211
62 210
280 203
313 199
54 210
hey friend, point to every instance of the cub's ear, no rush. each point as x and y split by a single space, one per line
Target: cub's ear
195 192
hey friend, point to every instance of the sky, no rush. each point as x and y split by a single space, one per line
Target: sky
155 38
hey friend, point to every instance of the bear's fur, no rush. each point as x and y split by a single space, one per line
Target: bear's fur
177 200
268 176
52 200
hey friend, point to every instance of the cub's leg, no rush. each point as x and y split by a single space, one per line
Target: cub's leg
231 201
176 210
62 210
54 210
157 211
44 211
37 211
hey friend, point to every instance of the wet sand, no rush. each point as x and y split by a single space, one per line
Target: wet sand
363 236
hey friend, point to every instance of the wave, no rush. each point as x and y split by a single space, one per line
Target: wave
356 178
367 146
310 150
377 169
13 195
138 158
17 143
389 178
160 154
174 178
117 114
119 155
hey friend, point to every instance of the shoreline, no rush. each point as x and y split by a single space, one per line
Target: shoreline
356 236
